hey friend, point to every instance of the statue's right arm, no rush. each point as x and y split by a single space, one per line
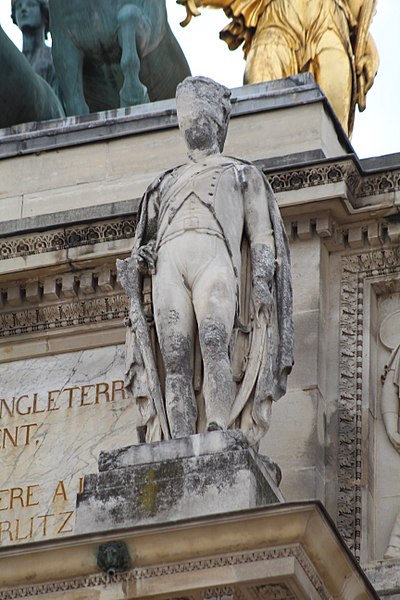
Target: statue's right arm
145 252
192 7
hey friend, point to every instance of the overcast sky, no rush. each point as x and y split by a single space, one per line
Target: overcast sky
376 131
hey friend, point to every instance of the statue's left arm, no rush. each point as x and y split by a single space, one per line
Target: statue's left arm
261 238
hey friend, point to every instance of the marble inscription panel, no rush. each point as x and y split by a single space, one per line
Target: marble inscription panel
56 415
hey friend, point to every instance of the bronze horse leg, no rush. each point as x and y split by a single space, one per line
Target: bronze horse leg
68 63
133 33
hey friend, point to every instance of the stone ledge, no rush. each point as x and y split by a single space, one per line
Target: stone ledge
295 545
193 446
55 134
385 577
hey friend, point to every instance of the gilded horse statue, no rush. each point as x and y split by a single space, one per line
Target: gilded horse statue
24 95
114 54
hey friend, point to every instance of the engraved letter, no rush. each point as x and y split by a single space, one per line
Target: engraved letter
60 491
64 523
118 386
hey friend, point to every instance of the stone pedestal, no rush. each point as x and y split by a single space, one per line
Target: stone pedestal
205 474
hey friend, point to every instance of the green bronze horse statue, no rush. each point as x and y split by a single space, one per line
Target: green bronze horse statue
24 95
109 54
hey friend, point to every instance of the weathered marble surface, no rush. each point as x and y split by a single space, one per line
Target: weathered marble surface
56 415
203 474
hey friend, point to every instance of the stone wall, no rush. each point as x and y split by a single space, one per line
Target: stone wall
69 194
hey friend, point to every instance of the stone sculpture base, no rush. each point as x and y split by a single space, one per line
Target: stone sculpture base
203 474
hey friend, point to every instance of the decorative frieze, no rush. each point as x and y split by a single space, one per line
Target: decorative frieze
221 593
68 237
64 315
61 301
203 564
296 179
360 184
275 591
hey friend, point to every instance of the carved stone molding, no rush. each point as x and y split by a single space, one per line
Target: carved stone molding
220 593
68 237
61 301
102 579
274 591
361 185
355 269
63 315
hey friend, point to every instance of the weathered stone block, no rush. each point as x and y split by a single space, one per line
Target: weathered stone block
202 474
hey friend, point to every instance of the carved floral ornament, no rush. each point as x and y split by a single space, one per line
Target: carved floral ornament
70 237
361 185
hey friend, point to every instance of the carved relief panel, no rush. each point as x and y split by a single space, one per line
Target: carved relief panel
386 425
368 456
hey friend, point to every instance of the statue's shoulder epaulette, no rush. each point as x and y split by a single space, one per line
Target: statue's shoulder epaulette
154 185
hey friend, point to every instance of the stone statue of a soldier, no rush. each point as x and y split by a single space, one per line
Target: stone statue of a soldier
211 238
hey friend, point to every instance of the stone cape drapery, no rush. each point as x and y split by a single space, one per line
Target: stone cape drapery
261 353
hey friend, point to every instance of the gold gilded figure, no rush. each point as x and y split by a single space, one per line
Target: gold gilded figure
328 38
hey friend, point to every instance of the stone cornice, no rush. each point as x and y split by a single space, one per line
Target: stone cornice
334 199
362 183
72 131
238 551
365 191
65 238
75 307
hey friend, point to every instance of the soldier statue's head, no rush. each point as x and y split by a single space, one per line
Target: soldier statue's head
203 108
30 14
